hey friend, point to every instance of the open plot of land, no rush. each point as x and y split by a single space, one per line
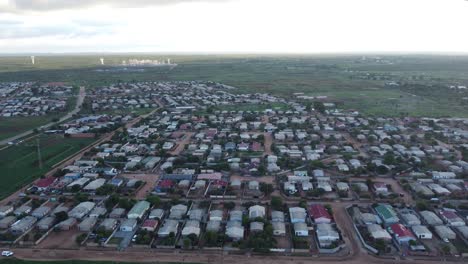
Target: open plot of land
20 164
12 126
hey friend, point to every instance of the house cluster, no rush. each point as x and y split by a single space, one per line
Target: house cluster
33 99
89 125
386 229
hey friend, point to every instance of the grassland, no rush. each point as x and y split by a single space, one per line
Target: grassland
11 126
342 78
19 164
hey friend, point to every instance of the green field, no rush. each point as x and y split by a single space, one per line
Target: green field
349 80
11 126
19 164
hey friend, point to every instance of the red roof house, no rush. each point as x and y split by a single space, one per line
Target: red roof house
401 233
320 214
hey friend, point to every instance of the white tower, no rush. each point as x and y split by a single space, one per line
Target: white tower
168 61
32 60
102 61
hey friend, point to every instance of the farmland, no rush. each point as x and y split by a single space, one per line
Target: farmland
351 81
20 165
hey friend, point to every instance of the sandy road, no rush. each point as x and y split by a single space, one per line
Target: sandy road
181 144
193 257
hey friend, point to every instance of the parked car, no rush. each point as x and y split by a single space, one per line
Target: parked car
7 253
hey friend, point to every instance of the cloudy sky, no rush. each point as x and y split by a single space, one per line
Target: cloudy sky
243 26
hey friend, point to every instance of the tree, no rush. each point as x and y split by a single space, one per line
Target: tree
154 200
266 188
276 203
61 216
319 106
229 205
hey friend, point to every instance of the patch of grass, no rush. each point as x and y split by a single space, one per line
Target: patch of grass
19 164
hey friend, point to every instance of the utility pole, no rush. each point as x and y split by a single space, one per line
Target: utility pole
39 156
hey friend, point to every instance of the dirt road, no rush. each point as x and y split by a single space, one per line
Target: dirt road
193 257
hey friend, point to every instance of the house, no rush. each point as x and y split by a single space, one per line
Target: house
451 218
191 227
169 226
7 221
279 228
256 226
326 234
431 218
342 186
66 224
128 225
444 232
109 224
216 215
301 229
256 211
22 210
297 215
410 219
150 225
98 212
213 225
5 210
277 216
235 215
117 213
401 233
380 188
235 230
41 211
81 210
177 211
87 224
156 214
377 232
320 214
138 210
44 183
23 225
421 232
387 214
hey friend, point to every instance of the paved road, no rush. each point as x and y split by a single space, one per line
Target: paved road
79 102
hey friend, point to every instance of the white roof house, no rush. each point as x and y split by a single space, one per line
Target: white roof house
301 229
279 228
377 232
169 226
256 211
431 218
297 214
235 230
81 210
421 232
191 227
326 234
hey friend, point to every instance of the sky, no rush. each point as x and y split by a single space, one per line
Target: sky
233 26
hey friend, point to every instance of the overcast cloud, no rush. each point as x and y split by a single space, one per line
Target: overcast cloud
244 26
18 6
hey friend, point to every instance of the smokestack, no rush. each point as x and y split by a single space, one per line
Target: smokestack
102 61
32 60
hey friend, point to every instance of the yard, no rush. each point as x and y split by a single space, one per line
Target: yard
19 164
